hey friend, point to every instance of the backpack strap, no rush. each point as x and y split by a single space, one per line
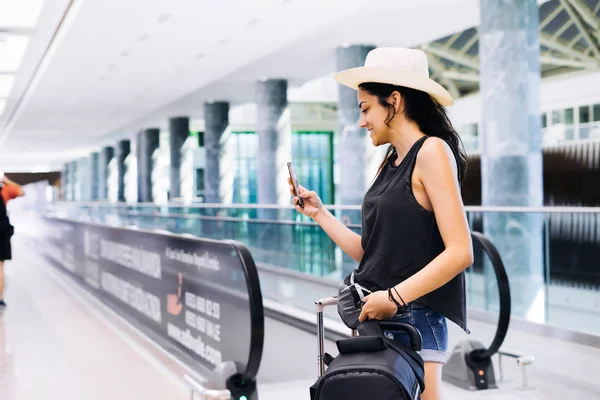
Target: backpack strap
375 328
313 389
412 358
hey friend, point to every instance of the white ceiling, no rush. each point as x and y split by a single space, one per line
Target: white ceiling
116 66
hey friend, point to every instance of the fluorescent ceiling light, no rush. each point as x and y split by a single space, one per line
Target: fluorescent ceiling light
20 13
2 105
6 84
12 49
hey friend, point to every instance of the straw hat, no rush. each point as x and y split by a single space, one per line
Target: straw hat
396 66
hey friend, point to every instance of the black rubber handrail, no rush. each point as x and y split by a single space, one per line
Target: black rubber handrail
503 292
257 314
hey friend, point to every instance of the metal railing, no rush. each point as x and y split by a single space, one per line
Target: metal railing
551 252
204 393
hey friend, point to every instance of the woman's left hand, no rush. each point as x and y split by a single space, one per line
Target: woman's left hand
377 306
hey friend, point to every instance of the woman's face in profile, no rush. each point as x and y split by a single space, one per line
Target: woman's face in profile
372 117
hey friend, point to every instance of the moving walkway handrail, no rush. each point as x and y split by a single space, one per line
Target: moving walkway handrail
257 314
503 292
508 209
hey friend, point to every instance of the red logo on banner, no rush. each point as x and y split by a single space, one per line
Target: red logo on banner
174 304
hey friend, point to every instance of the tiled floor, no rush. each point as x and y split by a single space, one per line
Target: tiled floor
58 342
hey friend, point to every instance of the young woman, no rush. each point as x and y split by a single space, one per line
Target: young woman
8 191
415 242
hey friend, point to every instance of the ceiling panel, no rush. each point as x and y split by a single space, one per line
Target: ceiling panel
12 50
20 13
116 67
6 84
103 64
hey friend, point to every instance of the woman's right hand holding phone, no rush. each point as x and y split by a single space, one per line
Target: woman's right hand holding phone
312 202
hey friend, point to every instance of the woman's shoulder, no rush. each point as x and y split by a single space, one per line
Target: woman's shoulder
434 146
436 152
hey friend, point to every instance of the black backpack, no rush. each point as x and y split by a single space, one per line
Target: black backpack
373 367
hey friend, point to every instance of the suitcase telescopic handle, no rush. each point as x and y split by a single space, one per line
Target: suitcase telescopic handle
327 301
416 340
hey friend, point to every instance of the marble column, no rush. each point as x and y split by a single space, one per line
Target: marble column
274 150
106 156
74 181
94 175
216 117
511 158
123 149
271 103
66 182
179 131
148 141
351 151
83 179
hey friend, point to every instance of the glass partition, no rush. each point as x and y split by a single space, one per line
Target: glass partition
551 254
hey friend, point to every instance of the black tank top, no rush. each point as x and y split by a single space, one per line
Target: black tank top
399 238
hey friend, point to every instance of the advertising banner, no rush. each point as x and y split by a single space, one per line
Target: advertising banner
200 298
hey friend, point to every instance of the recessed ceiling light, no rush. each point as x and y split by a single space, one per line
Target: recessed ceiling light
2 105
12 50
6 84
20 13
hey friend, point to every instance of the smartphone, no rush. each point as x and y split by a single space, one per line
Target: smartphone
295 184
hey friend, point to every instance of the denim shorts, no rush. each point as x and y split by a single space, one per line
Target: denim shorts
432 326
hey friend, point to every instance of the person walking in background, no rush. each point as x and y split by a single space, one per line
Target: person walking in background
8 190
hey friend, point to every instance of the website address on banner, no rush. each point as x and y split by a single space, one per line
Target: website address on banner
194 344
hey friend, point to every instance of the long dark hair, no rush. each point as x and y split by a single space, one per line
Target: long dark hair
427 113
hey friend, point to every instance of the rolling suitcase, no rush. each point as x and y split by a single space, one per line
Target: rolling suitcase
372 367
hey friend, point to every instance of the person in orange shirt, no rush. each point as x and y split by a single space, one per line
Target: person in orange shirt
8 191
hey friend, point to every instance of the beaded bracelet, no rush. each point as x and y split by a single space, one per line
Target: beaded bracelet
400 297
392 298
